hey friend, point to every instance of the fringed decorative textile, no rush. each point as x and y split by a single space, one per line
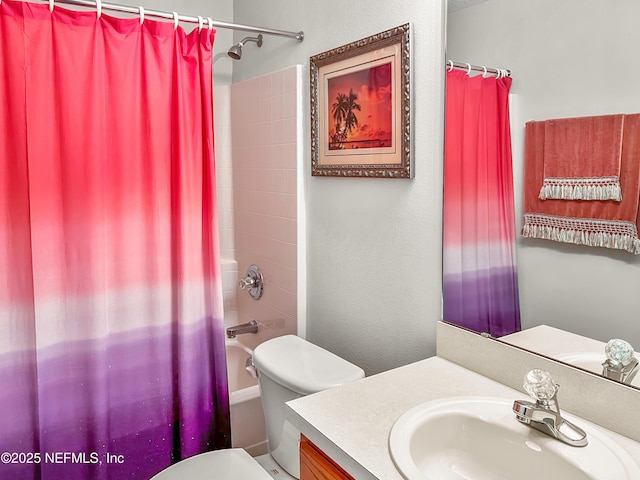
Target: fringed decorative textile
583 231
577 218
596 188
582 158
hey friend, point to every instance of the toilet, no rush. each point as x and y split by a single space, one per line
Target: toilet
288 368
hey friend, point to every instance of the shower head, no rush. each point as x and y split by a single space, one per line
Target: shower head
235 51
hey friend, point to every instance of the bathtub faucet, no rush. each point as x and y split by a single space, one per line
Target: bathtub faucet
249 327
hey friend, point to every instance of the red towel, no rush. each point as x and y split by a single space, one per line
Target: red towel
607 223
582 158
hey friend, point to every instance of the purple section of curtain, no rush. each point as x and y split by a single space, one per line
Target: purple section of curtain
119 399
483 300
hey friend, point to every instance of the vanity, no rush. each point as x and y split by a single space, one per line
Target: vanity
346 430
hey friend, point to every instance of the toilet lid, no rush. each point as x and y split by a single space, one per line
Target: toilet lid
302 366
227 464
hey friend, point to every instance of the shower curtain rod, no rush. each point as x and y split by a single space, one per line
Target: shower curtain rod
204 22
498 72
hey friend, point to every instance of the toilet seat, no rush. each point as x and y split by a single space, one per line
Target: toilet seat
227 464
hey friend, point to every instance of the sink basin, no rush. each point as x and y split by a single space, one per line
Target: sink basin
590 361
479 438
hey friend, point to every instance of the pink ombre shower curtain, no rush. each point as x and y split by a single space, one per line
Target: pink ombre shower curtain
112 358
480 287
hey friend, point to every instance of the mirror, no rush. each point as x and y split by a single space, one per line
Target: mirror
590 292
582 352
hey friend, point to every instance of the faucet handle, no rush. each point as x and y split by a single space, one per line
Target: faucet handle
253 282
248 282
619 353
539 384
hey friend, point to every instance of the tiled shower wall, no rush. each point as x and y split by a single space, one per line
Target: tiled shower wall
224 189
257 125
264 141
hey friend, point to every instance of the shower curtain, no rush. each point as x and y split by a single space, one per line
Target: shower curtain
480 287
112 360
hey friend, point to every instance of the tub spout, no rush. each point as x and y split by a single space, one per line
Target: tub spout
250 327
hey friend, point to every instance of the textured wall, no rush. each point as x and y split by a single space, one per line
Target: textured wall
373 245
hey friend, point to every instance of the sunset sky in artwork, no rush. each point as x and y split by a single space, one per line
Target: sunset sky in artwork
373 87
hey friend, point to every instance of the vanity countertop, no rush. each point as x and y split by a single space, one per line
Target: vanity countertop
553 342
351 423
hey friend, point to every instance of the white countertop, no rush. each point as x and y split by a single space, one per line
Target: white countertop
351 423
553 342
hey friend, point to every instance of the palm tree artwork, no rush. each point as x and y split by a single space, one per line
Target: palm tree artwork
359 109
346 120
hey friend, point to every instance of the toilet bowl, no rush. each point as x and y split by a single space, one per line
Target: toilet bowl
228 464
288 368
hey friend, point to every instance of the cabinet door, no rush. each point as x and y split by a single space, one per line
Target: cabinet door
316 465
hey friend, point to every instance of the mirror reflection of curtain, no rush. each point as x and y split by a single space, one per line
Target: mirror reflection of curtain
480 289
111 327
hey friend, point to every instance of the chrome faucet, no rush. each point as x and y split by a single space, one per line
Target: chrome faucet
253 282
544 415
621 363
249 327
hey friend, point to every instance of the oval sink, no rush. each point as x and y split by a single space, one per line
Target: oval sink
590 361
479 438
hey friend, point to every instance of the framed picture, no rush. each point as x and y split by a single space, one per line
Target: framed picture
361 108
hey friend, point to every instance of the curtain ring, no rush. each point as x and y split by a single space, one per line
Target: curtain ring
484 74
99 8
200 23
449 66
468 69
141 10
210 20
50 6
175 20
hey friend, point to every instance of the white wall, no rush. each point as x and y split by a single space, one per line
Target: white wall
374 245
569 58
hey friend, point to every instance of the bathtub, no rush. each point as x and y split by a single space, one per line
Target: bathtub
248 429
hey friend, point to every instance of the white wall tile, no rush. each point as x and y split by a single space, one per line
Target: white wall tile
264 195
290 104
277 83
277 107
289 79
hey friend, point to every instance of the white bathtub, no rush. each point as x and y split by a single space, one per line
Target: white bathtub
247 418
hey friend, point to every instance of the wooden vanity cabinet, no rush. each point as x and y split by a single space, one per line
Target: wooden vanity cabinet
316 465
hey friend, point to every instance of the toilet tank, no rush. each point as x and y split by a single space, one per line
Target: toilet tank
288 368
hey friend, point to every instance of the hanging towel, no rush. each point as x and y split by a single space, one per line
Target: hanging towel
607 223
582 158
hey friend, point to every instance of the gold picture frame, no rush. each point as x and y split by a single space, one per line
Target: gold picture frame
361 108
